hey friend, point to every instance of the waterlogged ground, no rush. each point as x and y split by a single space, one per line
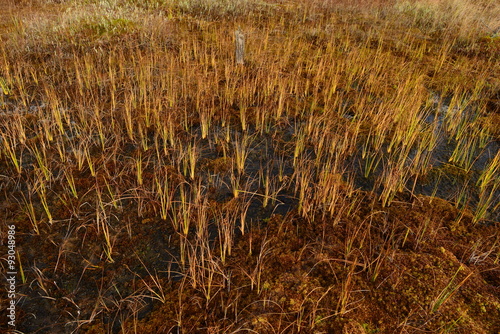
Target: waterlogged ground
285 215
420 263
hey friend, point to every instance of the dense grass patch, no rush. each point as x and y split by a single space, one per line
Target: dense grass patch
345 178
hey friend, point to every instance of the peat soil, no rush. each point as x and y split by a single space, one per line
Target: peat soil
418 265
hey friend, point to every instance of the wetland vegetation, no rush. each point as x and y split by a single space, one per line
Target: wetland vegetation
344 179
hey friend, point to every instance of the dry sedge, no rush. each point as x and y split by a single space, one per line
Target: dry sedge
252 166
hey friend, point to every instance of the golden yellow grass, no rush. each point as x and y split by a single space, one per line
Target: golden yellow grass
127 106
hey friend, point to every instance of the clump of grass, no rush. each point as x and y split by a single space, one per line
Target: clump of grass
460 18
488 189
217 8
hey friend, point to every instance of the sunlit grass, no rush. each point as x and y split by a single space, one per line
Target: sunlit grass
141 104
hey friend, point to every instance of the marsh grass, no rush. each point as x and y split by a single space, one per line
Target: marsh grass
134 115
